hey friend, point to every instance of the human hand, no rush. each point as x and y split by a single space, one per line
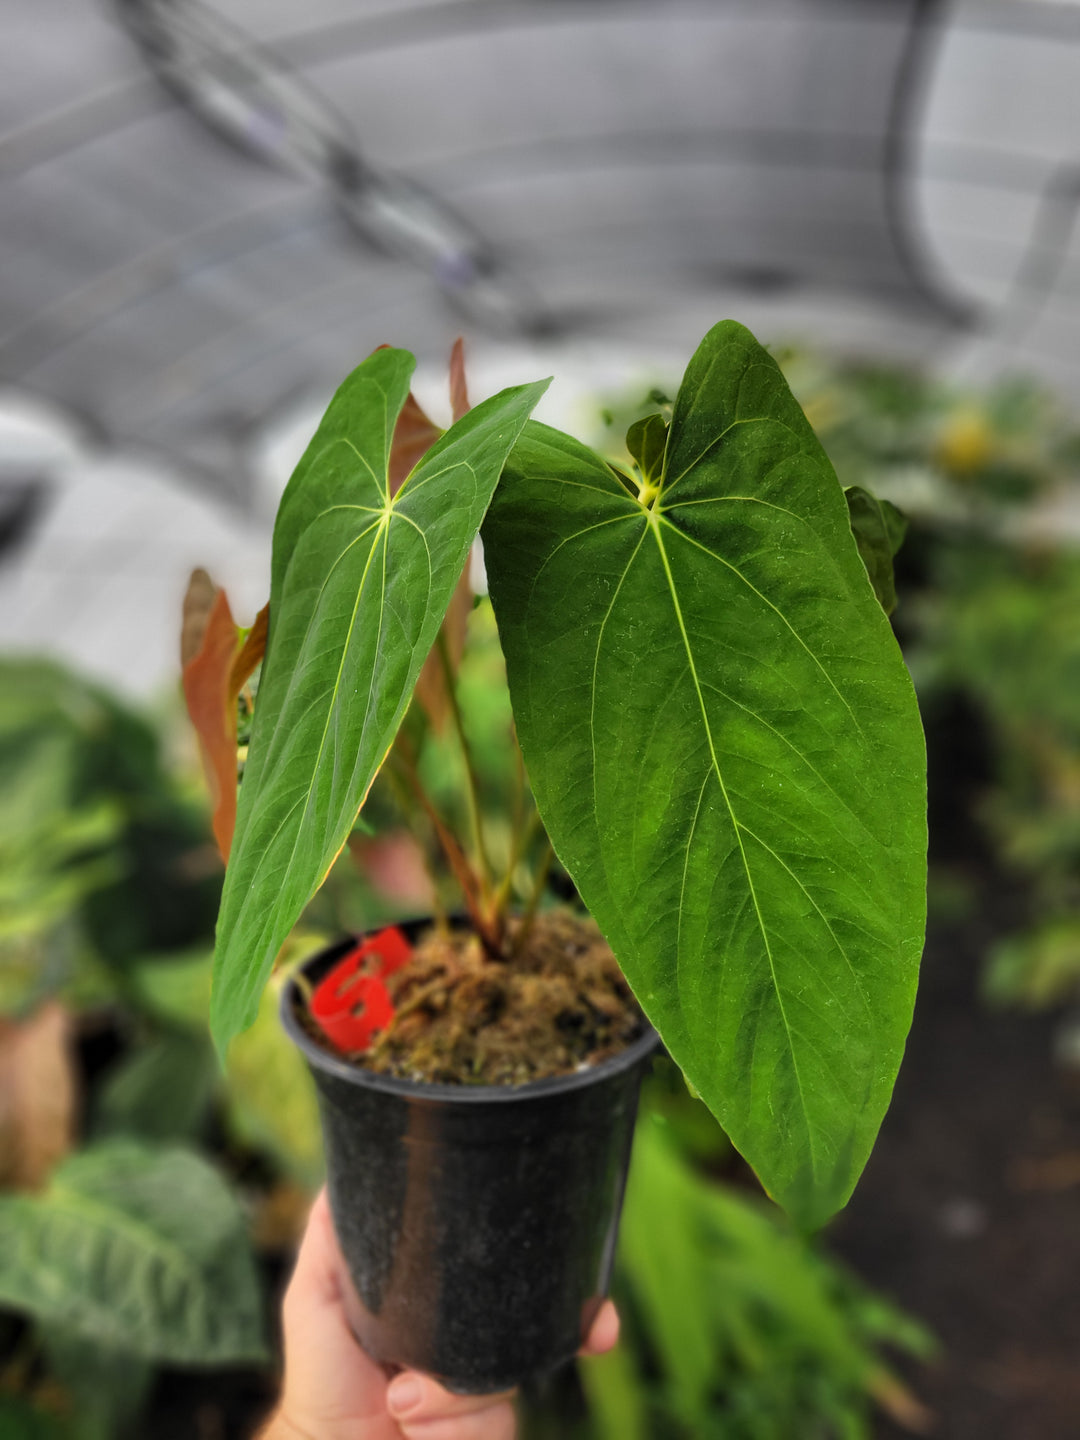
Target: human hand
334 1391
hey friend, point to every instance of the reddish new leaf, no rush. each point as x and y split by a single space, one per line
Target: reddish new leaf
414 436
393 864
37 1096
459 396
198 602
415 432
211 705
251 652
216 667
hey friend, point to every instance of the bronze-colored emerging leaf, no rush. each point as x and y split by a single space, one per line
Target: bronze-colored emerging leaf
414 436
211 705
415 432
216 668
250 654
459 395
37 1097
198 602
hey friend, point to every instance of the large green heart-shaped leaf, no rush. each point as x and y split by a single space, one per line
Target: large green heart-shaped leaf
139 1250
726 750
359 586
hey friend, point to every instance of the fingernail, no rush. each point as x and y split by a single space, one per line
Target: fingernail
403 1394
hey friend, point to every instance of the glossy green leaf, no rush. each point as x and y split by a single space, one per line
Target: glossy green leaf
726 750
137 1249
646 441
879 529
359 586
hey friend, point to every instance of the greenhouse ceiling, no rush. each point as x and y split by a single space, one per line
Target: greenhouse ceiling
210 211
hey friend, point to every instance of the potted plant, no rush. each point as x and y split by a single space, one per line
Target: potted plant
725 751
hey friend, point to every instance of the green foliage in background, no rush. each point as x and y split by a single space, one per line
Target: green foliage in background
102 858
136 1249
269 1099
137 1252
989 614
735 1327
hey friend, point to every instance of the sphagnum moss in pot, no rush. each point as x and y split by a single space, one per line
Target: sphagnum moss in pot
724 748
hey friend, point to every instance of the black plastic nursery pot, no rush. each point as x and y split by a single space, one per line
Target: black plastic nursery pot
478 1223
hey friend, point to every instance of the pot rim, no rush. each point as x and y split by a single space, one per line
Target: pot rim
439 1091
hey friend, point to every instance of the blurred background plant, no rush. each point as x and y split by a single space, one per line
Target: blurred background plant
989 577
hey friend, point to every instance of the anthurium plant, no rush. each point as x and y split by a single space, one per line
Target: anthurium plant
716 722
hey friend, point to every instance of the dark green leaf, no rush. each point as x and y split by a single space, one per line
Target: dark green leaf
19 1420
161 1092
726 751
879 529
360 583
139 1250
106 1388
646 440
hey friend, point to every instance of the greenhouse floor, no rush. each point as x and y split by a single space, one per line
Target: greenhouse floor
969 1211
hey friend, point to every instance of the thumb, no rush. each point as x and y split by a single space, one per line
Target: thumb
332 1388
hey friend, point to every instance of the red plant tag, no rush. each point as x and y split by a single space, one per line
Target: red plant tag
351 1003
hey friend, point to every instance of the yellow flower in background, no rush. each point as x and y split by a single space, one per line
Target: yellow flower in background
966 443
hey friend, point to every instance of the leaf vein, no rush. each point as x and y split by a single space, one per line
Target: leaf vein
707 685
334 689
738 835
817 908
774 608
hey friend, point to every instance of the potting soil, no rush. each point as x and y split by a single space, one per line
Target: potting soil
556 1004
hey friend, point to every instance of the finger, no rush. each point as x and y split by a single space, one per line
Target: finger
318 1342
496 1423
604 1332
315 1277
426 1411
